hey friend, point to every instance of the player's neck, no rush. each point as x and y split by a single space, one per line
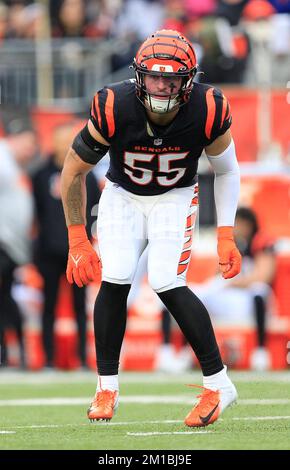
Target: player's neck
161 119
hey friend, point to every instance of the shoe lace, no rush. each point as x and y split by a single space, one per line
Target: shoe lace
104 398
207 397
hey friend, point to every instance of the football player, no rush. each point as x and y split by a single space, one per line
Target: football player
155 128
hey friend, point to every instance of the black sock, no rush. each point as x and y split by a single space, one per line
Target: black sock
166 326
260 313
194 321
110 315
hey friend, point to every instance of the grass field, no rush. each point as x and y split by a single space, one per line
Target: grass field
48 411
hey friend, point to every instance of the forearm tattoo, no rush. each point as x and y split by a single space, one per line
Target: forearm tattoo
75 202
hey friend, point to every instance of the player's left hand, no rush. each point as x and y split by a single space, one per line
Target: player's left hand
230 259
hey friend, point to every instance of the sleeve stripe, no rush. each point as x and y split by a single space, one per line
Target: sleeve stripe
109 112
96 111
224 109
211 110
228 111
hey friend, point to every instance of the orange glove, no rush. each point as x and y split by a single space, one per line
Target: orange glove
83 263
230 259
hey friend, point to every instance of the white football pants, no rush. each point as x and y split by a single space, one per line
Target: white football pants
127 223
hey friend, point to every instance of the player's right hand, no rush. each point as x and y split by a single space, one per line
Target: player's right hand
83 264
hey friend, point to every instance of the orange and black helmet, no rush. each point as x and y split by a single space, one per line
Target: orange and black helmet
166 53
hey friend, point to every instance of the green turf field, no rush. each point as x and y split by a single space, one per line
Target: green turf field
48 411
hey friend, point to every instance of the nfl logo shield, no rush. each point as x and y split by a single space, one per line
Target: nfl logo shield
158 141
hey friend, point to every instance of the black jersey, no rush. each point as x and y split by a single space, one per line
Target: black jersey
147 159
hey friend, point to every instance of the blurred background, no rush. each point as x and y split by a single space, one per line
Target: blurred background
54 56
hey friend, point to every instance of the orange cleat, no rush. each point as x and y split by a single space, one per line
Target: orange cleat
206 411
211 405
103 405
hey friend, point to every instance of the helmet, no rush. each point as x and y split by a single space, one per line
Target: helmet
166 53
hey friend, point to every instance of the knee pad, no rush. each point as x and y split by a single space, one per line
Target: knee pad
163 275
118 269
117 276
163 279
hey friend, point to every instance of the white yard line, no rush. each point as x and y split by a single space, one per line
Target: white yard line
61 401
195 377
99 423
138 399
260 418
134 423
59 377
264 401
138 434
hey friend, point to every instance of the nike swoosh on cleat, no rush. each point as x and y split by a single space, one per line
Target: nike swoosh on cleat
205 419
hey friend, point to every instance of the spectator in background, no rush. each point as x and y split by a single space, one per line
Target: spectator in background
198 8
25 20
243 300
70 25
34 17
281 6
99 16
269 26
231 10
132 28
280 32
3 21
16 20
174 15
131 21
16 215
52 245
225 44
256 277
239 300
103 14
72 21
